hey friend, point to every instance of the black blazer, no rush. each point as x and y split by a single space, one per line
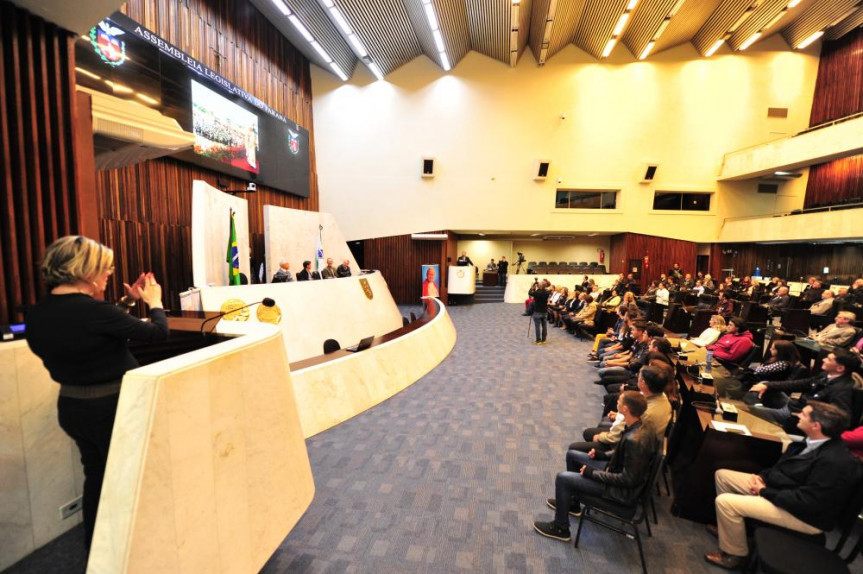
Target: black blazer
838 392
306 275
629 468
813 487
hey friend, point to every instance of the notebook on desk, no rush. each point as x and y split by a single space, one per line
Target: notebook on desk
362 345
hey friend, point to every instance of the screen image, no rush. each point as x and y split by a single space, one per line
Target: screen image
224 131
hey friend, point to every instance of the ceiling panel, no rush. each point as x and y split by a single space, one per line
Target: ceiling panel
524 16
718 24
489 24
538 16
818 17
316 20
596 25
421 28
686 23
646 19
762 16
792 15
851 22
454 25
385 30
566 19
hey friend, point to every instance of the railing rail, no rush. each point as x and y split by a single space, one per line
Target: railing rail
855 205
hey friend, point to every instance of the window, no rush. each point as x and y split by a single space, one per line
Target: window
677 201
585 199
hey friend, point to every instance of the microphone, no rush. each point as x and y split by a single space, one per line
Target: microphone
266 302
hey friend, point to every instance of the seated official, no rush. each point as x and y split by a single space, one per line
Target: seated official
307 274
329 272
735 344
652 382
833 385
824 305
621 480
491 266
715 329
841 333
283 275
344 270
805 491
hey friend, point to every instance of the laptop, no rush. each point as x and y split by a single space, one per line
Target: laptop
362 345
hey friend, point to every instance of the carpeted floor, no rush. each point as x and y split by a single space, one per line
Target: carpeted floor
450 474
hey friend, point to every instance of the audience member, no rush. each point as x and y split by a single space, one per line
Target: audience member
715 329
824 305
622 479
734 345
805 491
779 301
840 333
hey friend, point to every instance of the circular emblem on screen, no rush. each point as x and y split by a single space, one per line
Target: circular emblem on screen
105 40
234 313
293 141
269 314
460 273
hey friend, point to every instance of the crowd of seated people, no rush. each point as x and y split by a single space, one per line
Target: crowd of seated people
283 274
803 491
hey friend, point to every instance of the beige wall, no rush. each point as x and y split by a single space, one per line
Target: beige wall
487 124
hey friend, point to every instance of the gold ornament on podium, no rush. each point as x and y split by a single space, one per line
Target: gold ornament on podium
234 313
269 314
367 289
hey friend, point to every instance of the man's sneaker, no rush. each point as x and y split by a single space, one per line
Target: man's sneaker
552 503
552 530
537 342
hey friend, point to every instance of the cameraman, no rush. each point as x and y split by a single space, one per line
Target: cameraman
540 293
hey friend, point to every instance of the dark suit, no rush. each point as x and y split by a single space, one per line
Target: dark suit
814 486
838 392
778 303
306 275
343 271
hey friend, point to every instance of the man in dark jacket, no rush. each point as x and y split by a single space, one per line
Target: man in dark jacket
833 385
622 480
805 491
540 294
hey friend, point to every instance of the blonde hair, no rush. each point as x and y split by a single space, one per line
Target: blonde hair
74 258
719 323
851 316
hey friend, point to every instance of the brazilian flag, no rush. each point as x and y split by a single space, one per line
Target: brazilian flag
233 257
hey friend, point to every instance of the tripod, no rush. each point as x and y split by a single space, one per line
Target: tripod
519 266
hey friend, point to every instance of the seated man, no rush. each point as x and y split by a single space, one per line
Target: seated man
804 491
841 333
621 481
833 385
824 305
779 302
329 272
283 275
651 384
344 270
735 344
620 369
307 274
491 266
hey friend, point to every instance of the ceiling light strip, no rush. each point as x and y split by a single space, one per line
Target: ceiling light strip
619 28
760 33
513 32
546 31
282 7
661 30
437 34
354 41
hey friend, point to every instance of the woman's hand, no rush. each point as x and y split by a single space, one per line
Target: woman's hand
133 291
151 292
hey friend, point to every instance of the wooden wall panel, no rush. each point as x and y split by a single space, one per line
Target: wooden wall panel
839 85
617 258
662 252
145 209
794 260
399 258
37 146
835 182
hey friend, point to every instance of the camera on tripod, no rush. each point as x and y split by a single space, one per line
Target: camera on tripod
520 258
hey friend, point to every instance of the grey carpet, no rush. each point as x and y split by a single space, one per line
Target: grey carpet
450 474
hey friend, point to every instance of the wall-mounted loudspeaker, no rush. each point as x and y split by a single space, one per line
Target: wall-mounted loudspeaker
428 167
648 172
540 171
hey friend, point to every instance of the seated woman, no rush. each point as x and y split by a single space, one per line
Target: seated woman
604 340
783 363
558 310
613 301
714 330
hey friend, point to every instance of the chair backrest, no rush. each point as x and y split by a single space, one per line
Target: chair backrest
331 346
600 269
573 264
650 484
542 263
754 353
413 317
405 321
798 371
563 264
795 321
583 263
531 264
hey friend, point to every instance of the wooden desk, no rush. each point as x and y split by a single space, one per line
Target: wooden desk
489 278
696 450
